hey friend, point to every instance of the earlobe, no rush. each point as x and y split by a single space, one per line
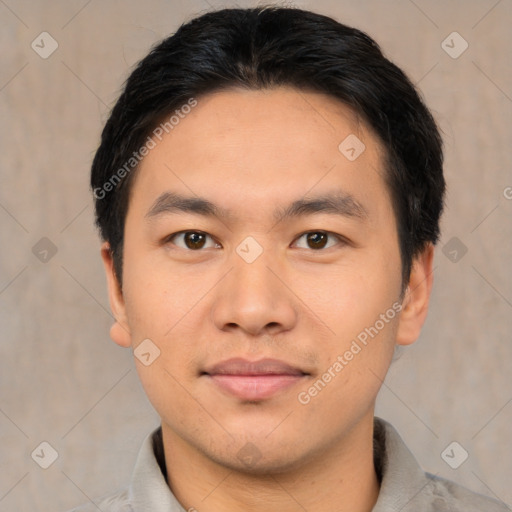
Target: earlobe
416 299
119 332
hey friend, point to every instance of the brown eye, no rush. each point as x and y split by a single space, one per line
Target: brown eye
192 240
319 239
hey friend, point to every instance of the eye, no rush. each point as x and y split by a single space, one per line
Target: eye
318 239
196 240
193 240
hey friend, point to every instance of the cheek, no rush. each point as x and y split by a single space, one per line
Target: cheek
355 297
361 307
161 306
154 297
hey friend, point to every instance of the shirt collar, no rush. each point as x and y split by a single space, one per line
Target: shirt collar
403 482
149 491
402 479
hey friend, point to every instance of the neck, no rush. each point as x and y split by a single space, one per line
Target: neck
341 479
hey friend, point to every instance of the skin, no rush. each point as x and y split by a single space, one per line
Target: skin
250 152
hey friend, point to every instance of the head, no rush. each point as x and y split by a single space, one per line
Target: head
252 128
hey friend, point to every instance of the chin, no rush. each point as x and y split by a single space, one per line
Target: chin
250 460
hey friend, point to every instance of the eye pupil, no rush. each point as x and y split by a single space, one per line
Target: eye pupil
318 239
196 239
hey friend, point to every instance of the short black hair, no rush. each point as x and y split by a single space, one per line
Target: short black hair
266 47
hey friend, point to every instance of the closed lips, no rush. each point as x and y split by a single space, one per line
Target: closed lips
263 367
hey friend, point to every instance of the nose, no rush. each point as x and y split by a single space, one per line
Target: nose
254 298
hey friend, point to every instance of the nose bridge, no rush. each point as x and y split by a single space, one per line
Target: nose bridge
251 275
251 296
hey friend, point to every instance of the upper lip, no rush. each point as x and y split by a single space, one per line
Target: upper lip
240 366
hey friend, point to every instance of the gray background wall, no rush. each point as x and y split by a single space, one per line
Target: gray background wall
61 378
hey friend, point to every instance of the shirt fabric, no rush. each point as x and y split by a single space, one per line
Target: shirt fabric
404 486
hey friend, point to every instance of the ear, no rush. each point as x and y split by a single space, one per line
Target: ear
120 331
416 299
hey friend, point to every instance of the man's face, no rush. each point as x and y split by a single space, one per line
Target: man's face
250 285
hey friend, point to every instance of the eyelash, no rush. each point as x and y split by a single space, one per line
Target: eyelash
341 240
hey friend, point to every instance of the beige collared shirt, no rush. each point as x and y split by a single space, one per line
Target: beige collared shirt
405 487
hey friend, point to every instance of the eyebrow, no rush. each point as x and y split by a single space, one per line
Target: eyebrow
336 203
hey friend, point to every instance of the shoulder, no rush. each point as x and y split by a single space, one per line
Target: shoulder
406 487
449 496
117 502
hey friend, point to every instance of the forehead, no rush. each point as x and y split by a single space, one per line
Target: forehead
263 145
279 117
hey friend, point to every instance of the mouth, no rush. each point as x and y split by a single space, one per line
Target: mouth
253 380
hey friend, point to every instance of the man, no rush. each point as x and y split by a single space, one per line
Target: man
268 189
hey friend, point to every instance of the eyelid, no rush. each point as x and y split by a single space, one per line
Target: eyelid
341 240
167 239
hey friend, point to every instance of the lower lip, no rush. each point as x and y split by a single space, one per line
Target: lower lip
254 387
